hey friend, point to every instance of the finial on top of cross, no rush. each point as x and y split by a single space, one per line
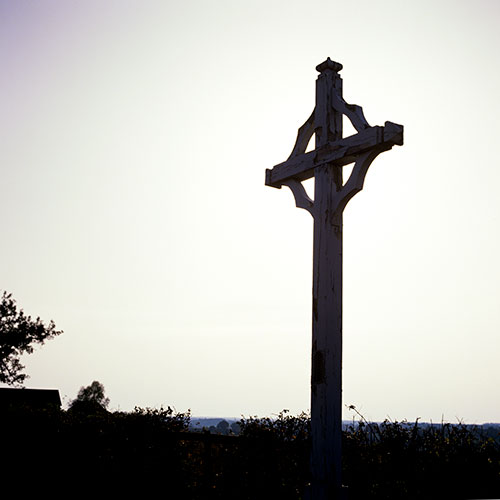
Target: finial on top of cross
329 65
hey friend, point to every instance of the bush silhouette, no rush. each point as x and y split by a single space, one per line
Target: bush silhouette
152 449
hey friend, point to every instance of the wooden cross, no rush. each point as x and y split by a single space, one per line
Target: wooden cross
331 196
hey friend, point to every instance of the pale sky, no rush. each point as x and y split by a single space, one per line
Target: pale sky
134 141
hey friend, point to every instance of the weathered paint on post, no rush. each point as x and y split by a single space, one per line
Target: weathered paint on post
325 163
326 362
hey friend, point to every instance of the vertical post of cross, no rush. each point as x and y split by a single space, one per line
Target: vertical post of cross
326 378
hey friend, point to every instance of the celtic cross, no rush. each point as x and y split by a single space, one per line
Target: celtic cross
331 195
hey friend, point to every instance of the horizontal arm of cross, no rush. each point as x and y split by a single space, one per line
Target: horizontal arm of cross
341 152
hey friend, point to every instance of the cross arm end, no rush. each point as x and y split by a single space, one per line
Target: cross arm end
393 133
269 181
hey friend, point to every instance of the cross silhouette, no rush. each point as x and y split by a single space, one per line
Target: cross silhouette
331 195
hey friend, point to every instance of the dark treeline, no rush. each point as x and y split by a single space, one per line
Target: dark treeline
152 450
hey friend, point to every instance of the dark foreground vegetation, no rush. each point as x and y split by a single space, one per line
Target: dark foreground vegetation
152 450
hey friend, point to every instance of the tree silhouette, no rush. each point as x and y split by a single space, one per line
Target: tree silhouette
18 335
90 397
